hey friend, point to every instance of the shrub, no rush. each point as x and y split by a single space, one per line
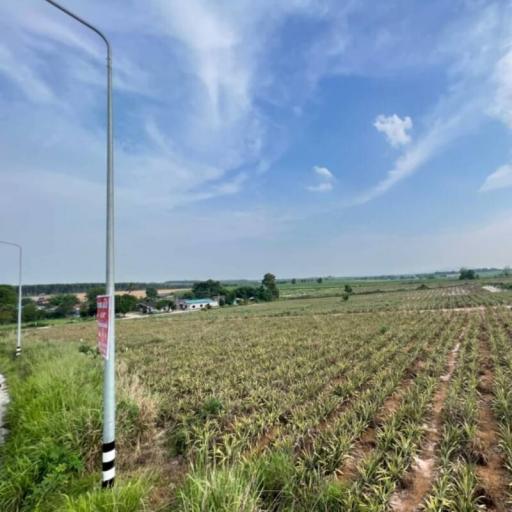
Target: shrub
211 407
124 497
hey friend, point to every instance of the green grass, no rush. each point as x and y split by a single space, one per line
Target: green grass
50 460
219 488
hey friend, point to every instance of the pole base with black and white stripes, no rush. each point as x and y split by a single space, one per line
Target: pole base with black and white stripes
108 458
18 351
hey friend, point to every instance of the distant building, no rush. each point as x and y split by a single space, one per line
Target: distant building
196 304
42 300
147 309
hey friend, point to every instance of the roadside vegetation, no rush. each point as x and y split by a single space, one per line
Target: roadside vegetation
50 458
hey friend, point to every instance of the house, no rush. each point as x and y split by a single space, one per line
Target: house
42 300
147 309
196 304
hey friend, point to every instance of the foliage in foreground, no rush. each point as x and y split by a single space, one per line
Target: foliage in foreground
219 488
50 459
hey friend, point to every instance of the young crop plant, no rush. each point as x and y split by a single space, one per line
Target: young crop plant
397 442
499 341
321 458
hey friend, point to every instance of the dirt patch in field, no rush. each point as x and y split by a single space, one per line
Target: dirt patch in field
491 473
418 480
492 289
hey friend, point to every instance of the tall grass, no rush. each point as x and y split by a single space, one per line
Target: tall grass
50 460
219 489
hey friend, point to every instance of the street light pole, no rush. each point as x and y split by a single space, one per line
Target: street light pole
109 397
20 271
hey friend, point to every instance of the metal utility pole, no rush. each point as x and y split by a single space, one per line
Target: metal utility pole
20 272
109 398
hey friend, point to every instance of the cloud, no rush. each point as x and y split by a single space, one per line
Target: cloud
443 130
325 177
394 128
34 88
480 73
321 187
479 66
500 178
502 80
200 89
323 172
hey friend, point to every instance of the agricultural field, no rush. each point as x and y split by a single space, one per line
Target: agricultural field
397 399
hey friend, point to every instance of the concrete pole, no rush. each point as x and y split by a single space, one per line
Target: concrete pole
109 380
20 292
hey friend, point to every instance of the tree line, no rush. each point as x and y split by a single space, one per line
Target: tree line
62 305
267 291
59 288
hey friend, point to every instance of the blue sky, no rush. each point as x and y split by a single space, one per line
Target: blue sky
300 137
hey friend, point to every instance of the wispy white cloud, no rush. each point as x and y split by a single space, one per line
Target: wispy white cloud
325 177
192 83
325 186
480 73
442 131
502 79
323 172
394 128
23 76
500 178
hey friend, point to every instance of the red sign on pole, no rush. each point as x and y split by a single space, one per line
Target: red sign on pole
102 318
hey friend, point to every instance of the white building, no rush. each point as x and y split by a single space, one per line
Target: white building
196 304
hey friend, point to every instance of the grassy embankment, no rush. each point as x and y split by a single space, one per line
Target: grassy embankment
50 460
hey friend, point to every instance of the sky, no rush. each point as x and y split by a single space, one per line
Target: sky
299 137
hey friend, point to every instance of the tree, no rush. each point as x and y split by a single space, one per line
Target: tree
466 273
30 312
151 293
345 296
294 281
7 304
348 288
125 303
506 271
89 307
265 294
319 280
64 304
7 295
246 292
205 289
162 304
269 283
228 297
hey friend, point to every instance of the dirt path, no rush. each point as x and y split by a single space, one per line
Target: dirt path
418 480
491 472
4 400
